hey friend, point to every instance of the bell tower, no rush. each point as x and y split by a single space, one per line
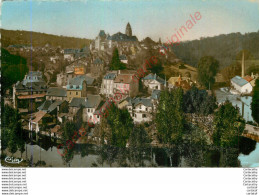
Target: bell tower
128 30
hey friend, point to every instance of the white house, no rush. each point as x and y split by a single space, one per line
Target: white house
107 84
140 109
241 85
152 81
91 105
123 59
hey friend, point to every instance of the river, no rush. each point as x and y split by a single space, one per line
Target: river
243 103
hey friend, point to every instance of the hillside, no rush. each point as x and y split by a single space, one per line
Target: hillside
12 37
224 48
13 69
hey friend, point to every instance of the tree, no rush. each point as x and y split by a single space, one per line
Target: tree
199 102
116 64
232 70
12 145
207 70
139 137
104 131
255 102
157 68
69 129
170 117
13 69
229 126
121 125
11 130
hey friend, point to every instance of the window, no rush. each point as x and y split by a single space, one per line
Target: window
146 109
88 110
76 93
144 116
70 93
140 107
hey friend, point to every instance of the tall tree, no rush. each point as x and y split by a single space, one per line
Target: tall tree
139 137
170 116
69 129
229 126
116 64
121 125
207 70
199 102
255 102
14 68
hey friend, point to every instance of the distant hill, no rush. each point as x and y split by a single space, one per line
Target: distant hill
224 48
21 37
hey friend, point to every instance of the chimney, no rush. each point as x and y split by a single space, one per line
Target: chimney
243 65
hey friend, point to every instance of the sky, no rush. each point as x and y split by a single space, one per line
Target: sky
151 18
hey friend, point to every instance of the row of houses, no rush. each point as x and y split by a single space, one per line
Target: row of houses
81 101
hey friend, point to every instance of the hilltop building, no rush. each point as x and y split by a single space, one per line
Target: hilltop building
104 41
128 30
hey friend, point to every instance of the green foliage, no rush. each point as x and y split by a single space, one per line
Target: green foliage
11 37
11 130
207 70
116 64
255 102
199 102
157 68
229 126
139 137
13 69
69 129
223 48
121 125
170 116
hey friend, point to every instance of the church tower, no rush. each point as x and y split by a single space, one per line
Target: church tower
128 30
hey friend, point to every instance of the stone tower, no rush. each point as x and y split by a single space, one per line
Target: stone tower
128 30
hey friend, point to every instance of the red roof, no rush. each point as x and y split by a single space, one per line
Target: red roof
31 96
38 116
123 79
248 78
55 129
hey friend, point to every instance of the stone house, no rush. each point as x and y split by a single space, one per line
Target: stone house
77 87
56 93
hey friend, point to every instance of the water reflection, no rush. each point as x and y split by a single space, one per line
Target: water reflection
44 153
